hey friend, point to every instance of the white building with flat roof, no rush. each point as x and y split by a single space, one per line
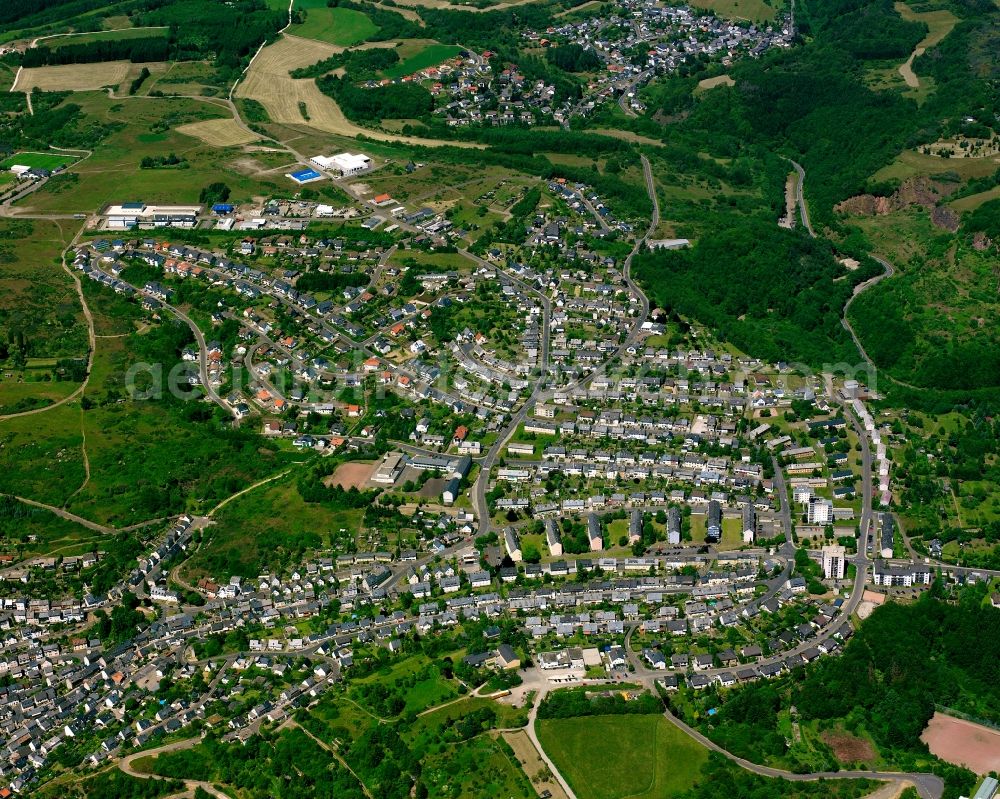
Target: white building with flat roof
344 163
834 562
130 215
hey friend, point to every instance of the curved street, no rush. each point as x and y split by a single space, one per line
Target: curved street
126 764
929 786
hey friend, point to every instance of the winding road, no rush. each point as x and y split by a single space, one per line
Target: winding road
126 764
889 271
929 786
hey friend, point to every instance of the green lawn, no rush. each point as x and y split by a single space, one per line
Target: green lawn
430 56
16 395
37 160
613 757
343 27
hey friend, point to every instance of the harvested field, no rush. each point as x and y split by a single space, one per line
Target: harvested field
351 475
268 82
218 132
963 743
848 748
718 80
72 77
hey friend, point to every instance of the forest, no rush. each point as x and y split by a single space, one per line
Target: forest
770 291
138 50
358 64
395 101
228 33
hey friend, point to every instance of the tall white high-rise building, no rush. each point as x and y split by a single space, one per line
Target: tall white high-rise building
834 562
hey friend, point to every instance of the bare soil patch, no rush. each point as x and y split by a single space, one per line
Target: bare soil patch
963 743
848 748
351 475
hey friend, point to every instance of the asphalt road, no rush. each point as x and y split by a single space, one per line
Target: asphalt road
800 198
928 786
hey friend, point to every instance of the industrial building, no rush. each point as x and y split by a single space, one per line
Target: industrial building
131 215
345 163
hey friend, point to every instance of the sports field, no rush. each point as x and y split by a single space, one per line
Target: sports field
37 160
964 743
613 757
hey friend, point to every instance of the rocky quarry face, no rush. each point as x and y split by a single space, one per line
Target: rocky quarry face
915 191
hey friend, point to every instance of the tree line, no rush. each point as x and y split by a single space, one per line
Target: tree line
137 50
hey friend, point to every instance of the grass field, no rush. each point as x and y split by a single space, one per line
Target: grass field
72 77
278 518
112 175
37 297
973 201
49 161
41 532
343 27
147 459
430 56
41 457
756 10
613 757
17 395
910 163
